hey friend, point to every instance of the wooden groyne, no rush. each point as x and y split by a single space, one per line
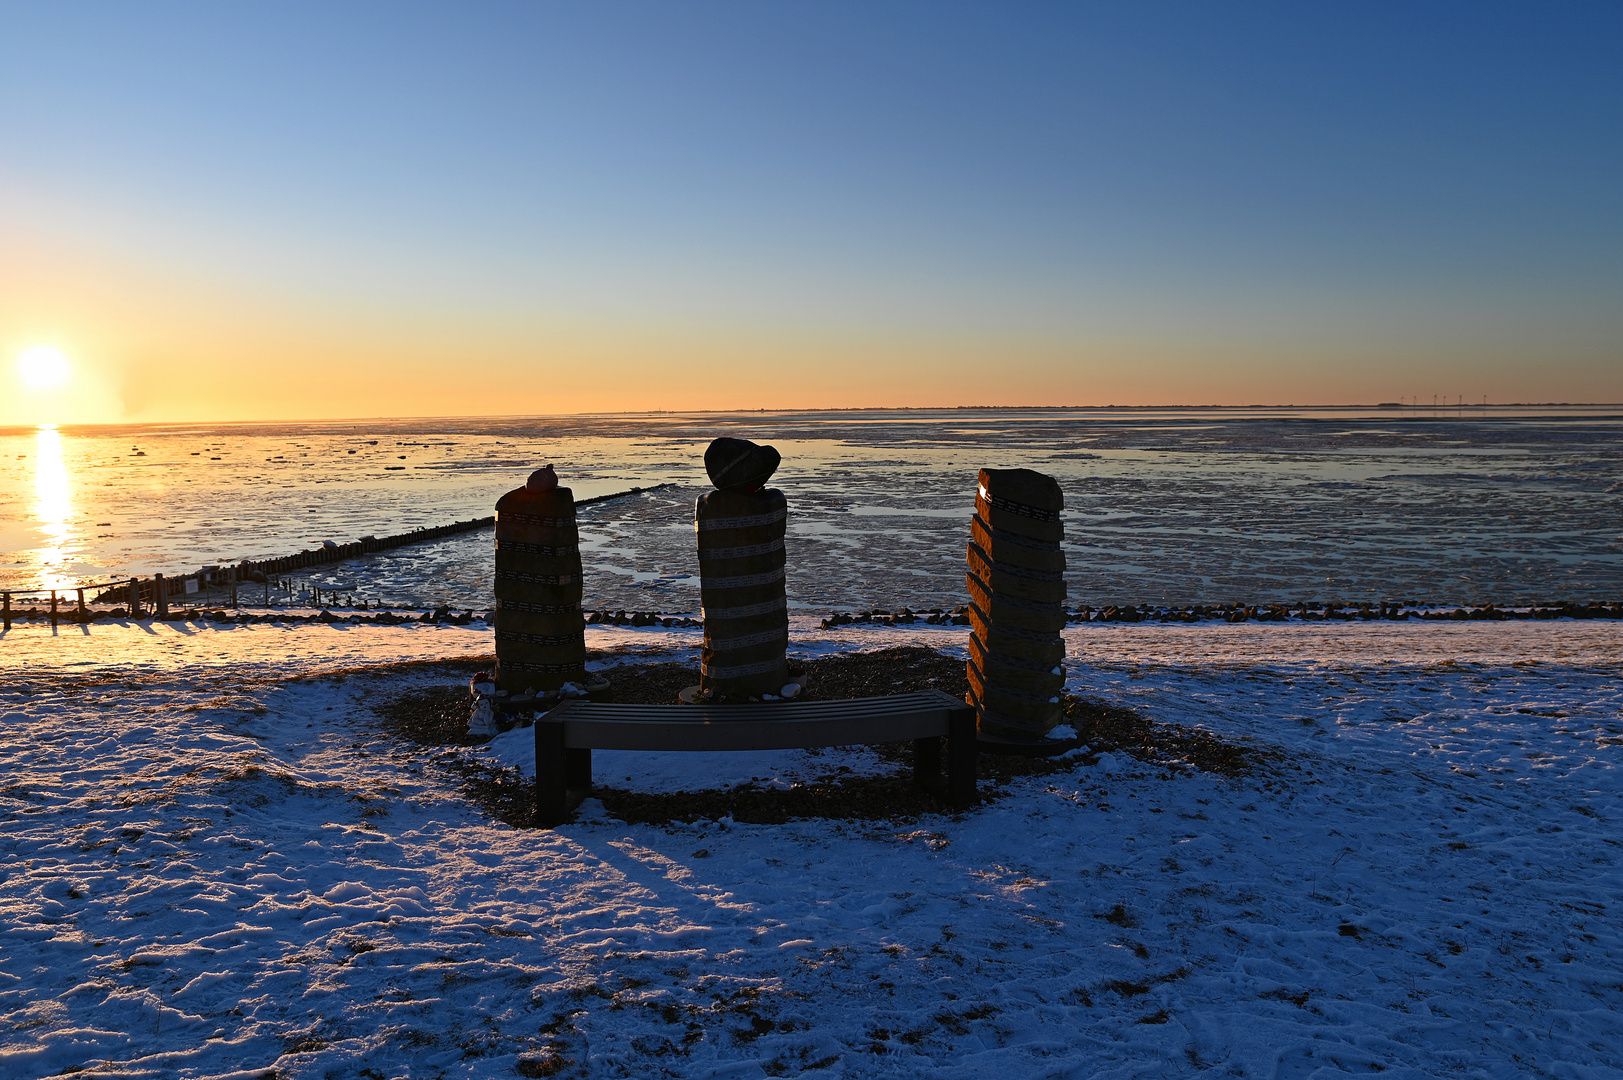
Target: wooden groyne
250 569
158 590
367 545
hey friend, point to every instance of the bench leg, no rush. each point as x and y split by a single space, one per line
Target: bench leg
578 769
551 773
961 754
927 761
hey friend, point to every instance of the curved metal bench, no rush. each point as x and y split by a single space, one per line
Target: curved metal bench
566 736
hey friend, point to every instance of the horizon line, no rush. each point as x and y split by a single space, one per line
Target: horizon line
1439 410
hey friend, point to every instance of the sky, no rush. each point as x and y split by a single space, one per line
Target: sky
256 211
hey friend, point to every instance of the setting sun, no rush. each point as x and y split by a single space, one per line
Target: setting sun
43 367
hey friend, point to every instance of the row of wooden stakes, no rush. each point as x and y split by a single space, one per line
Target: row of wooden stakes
155 593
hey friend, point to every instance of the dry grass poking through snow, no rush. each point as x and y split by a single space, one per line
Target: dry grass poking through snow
1173 746
437 716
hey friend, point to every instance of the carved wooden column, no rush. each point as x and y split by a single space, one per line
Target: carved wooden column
540 633
1016 603
740 529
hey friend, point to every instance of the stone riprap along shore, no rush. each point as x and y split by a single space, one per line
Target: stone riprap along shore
1239 613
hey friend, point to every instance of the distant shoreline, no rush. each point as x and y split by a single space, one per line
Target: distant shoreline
1384 410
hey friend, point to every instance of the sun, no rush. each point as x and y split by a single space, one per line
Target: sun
43 367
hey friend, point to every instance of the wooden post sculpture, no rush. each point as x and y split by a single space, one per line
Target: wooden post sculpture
540 632
1016 604
740 528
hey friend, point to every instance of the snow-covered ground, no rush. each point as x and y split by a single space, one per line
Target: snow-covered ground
211 865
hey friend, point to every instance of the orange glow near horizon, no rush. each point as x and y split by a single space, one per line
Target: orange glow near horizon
184 347
176 348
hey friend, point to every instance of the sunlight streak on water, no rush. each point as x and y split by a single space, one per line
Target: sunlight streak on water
53 505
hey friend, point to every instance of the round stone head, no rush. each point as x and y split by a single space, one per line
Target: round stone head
740 465
543 479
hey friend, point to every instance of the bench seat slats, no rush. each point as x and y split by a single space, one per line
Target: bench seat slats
566 736
784 734
876 707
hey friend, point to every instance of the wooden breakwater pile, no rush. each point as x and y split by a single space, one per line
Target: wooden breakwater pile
165 588
366 545
160 589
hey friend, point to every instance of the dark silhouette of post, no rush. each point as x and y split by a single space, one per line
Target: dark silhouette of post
740 529
540 632
1016 603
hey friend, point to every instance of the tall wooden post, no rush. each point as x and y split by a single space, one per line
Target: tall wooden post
1016 604
160 595
84 613
5 601
540 632
740 530
135 598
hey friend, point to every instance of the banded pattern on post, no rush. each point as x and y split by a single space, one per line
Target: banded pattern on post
1016 603
741 585
540 632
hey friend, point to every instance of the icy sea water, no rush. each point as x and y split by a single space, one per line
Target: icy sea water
1186 505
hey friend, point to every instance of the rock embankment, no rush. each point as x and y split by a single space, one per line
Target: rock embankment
1238 613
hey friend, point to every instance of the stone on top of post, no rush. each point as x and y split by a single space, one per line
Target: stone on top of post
740 529
540 632
1016 604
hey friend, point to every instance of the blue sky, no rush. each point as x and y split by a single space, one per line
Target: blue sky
1150 201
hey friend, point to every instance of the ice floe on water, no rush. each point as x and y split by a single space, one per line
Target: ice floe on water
1166 506
214 863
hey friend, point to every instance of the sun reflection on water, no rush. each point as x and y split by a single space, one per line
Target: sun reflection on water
53 506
